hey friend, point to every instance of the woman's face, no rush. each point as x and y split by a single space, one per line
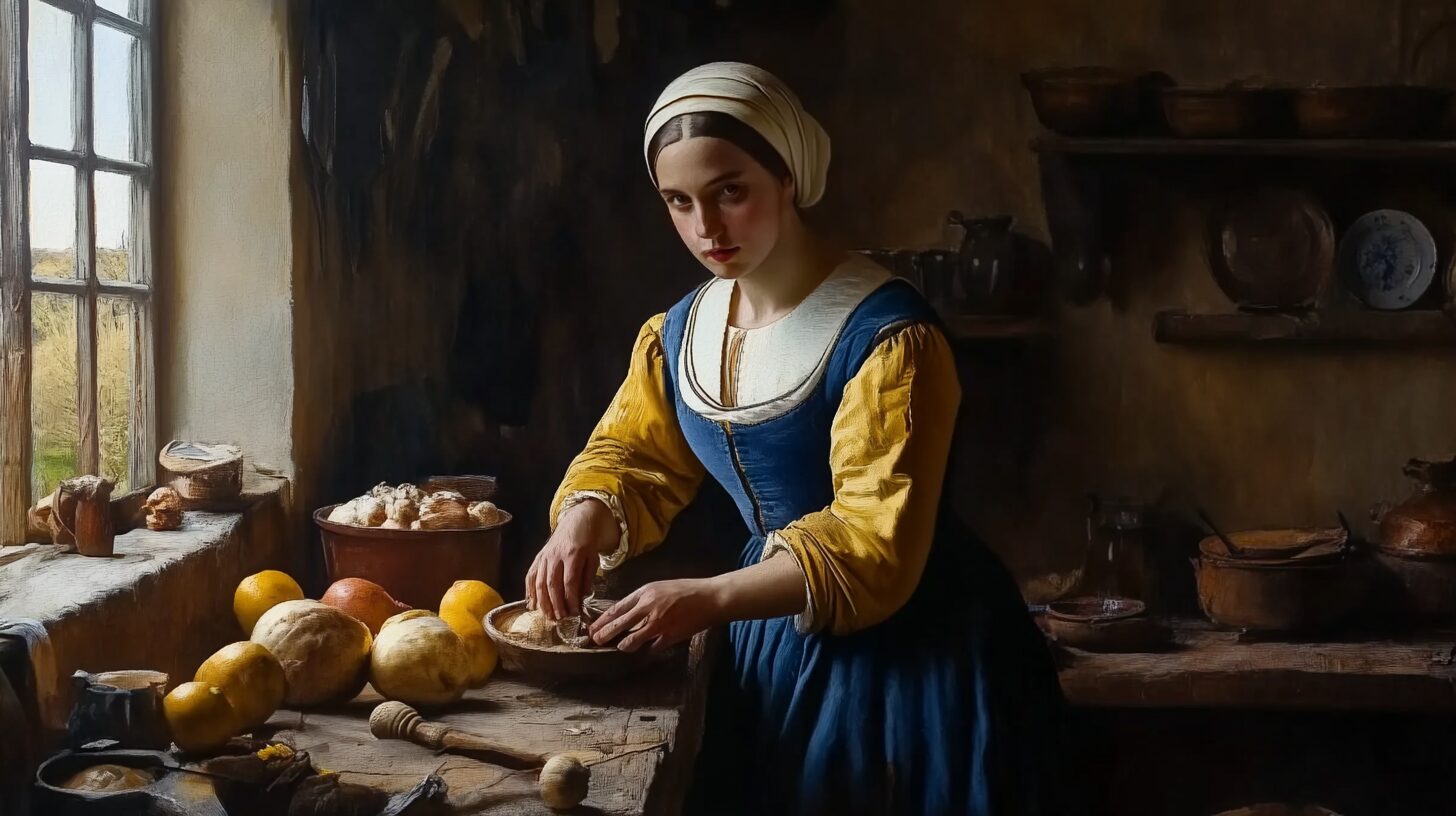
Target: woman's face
728 208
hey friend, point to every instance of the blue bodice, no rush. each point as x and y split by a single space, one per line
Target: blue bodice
777 470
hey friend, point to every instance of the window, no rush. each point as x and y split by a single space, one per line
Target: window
76 308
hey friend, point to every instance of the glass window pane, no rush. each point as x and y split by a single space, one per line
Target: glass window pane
115 334
54 424
113 226
116 53
52 85
52 220
126 8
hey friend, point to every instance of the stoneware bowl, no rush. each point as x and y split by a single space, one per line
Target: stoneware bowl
560 662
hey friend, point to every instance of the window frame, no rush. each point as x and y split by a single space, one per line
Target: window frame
16 282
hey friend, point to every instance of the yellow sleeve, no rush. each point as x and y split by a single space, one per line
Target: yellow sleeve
862 556
637 460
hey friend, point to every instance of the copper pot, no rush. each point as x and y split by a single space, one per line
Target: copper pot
1419 589
1423 526
1317 588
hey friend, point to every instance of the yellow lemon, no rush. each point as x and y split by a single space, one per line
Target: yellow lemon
199 717
250 677
474 598
477 643
259 593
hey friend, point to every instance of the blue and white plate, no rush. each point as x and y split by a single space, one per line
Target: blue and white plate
1388 259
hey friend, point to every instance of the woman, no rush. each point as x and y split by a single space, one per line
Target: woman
882 660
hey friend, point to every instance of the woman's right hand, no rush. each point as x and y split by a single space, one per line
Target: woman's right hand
561 576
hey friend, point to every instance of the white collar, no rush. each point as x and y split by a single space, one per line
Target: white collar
781 363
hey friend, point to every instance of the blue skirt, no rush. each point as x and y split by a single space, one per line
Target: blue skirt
951 706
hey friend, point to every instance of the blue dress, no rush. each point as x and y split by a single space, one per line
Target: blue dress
949 706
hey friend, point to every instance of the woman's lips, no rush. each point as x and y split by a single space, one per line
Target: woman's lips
721 255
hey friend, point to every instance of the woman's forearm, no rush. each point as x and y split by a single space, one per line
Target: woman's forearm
769 589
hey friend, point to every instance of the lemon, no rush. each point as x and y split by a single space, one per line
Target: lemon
250 677
199 716
474 598
477 643
260 592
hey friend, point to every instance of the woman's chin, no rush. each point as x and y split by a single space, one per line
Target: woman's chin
733 270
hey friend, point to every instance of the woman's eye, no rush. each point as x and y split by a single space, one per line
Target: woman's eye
678 201
732 191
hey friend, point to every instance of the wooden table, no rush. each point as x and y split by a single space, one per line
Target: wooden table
639 735
1209 668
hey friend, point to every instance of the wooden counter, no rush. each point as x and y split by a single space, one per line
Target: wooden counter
639 735
1209 668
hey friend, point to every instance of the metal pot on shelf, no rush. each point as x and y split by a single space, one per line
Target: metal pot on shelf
1279 580
1417 549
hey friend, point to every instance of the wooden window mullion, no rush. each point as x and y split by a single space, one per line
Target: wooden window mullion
74 159
144 442
88 455
15 453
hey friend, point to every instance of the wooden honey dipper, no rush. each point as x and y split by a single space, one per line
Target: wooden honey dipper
395 720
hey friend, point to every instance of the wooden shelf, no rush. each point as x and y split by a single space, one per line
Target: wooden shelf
1253 148
995 327
1411 328
1081 179
1213 669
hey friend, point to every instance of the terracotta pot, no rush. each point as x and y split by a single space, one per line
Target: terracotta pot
414 566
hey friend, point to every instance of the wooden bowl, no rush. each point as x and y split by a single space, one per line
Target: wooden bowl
1360 111
559 662
415 566
1135 634
1221 113
1086 101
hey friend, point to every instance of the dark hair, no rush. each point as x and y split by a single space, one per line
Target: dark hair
717 125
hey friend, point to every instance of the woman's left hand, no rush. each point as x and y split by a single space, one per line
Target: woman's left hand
660 614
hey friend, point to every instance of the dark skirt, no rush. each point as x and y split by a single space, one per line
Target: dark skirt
950 706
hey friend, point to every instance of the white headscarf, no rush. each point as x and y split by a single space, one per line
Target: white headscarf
758 99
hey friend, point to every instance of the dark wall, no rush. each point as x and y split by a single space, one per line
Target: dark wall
485 244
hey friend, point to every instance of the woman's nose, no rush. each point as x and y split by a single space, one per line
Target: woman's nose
708 224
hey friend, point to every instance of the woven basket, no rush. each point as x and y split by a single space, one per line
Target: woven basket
203 471
474 488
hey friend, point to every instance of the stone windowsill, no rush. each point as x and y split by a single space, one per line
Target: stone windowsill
163 602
